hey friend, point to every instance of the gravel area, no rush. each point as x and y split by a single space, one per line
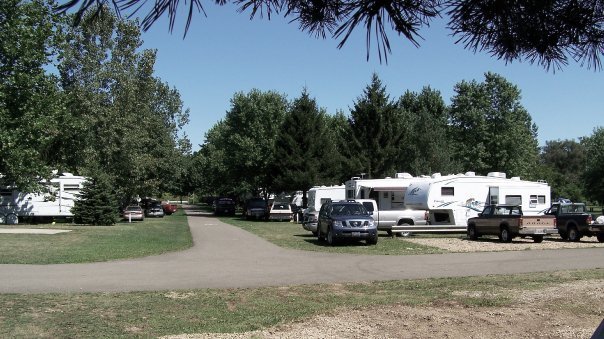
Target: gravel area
534 314
492 244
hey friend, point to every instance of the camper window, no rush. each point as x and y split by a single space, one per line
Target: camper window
447 191
513 199
71 187
349 194
538 199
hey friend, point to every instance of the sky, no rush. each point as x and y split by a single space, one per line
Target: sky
226 52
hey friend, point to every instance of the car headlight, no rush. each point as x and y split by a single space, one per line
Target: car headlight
337 223
371 223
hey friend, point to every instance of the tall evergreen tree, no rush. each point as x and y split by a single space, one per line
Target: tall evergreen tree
98 203
376 126
303 149
426 148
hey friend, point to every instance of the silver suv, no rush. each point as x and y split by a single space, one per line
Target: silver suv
339 220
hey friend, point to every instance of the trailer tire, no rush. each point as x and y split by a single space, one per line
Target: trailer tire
505 235
11 219
573 234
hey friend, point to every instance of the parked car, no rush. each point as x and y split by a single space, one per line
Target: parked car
350 220
280 211
168 207
133 212
155 210
255 208
224 206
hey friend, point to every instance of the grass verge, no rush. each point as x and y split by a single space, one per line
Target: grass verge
151 314
97 243
292 235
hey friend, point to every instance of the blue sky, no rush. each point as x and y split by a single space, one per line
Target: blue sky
226 53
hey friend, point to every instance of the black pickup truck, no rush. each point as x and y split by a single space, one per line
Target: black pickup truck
574 222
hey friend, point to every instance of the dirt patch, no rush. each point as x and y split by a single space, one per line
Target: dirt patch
552 312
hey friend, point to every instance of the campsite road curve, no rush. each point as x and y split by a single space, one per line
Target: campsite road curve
225 256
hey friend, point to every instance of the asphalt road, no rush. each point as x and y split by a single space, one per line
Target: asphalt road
227 257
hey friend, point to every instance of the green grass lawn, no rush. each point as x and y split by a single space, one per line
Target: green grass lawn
152 314
96 243
292 235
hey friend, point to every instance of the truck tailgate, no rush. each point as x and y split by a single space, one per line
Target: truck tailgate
538 224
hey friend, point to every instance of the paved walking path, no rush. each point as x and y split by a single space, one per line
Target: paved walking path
225 256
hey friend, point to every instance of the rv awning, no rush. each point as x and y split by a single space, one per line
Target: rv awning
389 189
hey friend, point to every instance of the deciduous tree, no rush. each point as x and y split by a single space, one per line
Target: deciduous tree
30 99
122 119
564 165
594 168
491 129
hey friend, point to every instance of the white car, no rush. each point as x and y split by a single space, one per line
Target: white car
281 211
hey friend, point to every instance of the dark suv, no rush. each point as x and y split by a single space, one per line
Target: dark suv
346 220
255 208
224 206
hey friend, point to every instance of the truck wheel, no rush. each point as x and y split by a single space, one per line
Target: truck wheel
505 235
331 240
372 240
600 237
563 235
573 234
320 236
537 238
472 232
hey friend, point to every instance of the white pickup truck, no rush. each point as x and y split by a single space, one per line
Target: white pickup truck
400 222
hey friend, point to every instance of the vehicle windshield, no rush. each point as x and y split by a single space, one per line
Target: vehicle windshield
573 208
133 208
281 206
349 209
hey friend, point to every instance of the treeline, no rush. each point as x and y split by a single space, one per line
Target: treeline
85 100
266 144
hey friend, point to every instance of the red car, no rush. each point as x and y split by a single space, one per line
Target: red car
168 207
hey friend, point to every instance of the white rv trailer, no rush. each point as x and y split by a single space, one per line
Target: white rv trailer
389 194
453 199
317 196
62 191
